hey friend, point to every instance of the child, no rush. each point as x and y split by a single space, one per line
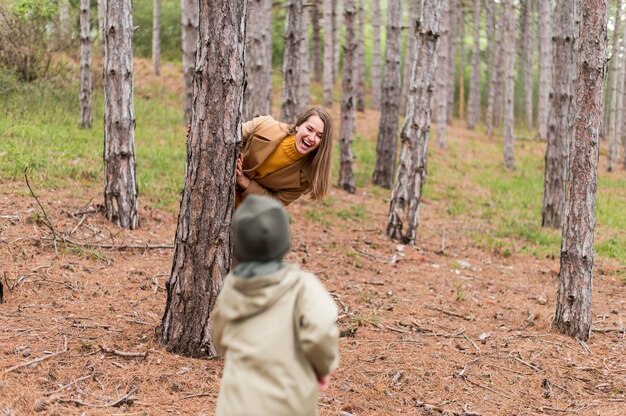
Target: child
274 324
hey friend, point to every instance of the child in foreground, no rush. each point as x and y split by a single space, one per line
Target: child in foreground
274 324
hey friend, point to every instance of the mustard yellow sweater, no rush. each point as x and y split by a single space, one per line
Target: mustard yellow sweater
284 155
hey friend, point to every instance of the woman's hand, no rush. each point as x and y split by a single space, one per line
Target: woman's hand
242 180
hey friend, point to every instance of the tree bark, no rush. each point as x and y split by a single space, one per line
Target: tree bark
414 10
360 59
189 19
407 190
338 10
453 23
494 57
121 204
442 82
257 99
473 103
573 306
316 40
156 34
303 59
101 25
85 117
509 84
291 63
389 111
545 71
529 59
461 40
348 100
561 113
614 77
328 80
203 245
376 55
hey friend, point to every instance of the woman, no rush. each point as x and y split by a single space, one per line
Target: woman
283 161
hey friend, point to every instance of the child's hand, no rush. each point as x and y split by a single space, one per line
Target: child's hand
323 382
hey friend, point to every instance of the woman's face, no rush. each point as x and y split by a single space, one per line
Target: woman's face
309 134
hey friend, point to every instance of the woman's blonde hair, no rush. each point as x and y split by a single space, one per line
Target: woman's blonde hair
322 156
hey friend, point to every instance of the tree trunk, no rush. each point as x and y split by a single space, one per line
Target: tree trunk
407 191
408 60
573 307
614 76
453 23
156 34
203 245
101 25
291 63
338 9
494 57
376 55
63 37
499 85
442 82
85 117
189 19
257 99
509 84
360 59
389 111
328 81
545 68
528 43
561 113
473 104
461 40
121 204
303 59
317 42
348 100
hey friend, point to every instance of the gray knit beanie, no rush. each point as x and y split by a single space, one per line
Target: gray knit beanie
261 230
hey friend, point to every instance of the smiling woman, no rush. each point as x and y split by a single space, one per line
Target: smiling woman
285 161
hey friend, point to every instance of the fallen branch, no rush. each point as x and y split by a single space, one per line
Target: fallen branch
127 398
432 407
191 396
50 393
607 330
38 360
103 326
450 313
123 353
47 221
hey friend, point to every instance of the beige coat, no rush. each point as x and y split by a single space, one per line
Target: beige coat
275 332
261 136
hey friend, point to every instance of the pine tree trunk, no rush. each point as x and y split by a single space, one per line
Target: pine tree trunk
389 111
545 66
573 307
257 99
121 204
203 245
473 104
156 34
101 25
561 113
509 84
413 8
338 10
461 40
316 40
63 37
614 76
499 85
291 63
189 19
303 59
328 81
442 82
360 57
348 100
492 71
407 190
529 60
376 55
453 23
85 117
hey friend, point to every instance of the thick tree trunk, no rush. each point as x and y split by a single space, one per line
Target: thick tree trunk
473 103
573 307
545 66
376 55
338 10
614 77
389 111
121 204
442 82
203 246
189 20
348 100
303 59
257 99
360 59
413 10
328 80
509 84
316 40
156 36
85 117
291 62
561 113
407 190
492 71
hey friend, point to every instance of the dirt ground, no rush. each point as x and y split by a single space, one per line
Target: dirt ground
425 332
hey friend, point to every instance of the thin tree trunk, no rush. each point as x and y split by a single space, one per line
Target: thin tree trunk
561 113
121 204
85 117
453 26
257 99
389 111
291 63
203 245
63 38
494 58
473 105
303 60
573 306
101 25
509 84
376 55
316 40
407 190
442 82
189 20
156 31
499 91
413 9
529 60
545 68
614 77
360 57
338 10
348 100
328 81
461 40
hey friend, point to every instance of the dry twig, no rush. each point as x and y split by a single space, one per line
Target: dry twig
40 359
127 398
123 353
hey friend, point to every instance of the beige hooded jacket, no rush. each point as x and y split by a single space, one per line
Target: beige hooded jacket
276 333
